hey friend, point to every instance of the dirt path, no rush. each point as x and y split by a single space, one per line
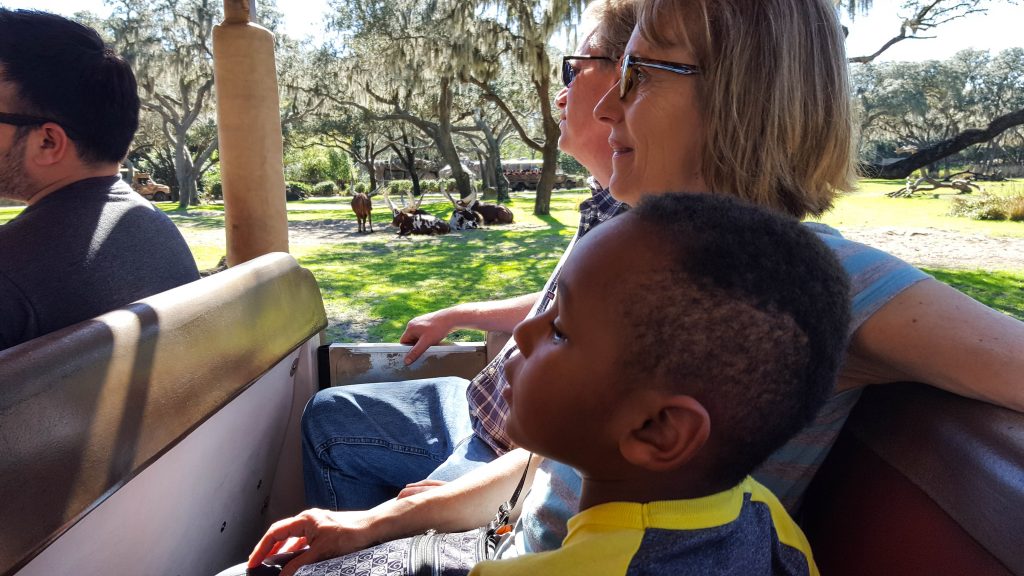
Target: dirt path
928 247
935 248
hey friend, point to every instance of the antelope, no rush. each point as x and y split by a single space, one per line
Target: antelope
412 220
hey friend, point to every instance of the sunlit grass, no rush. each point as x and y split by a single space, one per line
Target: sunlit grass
372 285
1003 291
870 207
371 288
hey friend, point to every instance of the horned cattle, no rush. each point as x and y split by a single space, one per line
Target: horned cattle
363 207
463 218
471 209
412 220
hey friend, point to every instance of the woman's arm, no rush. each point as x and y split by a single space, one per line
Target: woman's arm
497 316
463 504
934 334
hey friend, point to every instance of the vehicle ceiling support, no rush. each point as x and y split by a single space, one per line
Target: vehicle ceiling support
249 128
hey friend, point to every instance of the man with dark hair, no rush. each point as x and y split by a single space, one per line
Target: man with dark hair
86 244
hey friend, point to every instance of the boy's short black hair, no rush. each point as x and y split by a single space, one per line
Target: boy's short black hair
749 315
63 71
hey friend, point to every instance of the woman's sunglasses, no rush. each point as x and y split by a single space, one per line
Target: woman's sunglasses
569 73
630 64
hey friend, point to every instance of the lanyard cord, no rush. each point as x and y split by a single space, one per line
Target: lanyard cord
500 524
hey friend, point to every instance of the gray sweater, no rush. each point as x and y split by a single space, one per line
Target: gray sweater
86 249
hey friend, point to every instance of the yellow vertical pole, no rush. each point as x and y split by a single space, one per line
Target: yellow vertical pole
249 128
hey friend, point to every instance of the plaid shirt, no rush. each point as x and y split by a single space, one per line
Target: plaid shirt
486 405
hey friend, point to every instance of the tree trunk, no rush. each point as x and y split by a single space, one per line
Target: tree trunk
493 167
542 205
407 155
183 174
443 138
486 176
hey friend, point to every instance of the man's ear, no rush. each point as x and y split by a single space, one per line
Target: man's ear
673 434
49 145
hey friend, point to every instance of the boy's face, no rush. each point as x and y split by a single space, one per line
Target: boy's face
567 380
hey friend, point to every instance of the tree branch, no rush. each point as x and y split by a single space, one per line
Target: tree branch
926 156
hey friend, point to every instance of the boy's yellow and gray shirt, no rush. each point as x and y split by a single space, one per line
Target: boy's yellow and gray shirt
744 530
486 405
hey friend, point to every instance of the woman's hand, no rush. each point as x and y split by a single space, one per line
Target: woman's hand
328 535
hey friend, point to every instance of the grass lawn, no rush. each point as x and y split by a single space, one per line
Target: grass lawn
868 206
373 284
1003 291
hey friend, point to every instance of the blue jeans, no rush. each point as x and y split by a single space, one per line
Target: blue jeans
361 444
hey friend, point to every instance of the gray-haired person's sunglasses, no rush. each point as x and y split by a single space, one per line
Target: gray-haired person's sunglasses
27 120
630 64
569 73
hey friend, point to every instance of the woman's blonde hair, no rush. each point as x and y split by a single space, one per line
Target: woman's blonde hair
773 94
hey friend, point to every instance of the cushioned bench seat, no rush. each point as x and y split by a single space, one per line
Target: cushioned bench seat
921 482
94 418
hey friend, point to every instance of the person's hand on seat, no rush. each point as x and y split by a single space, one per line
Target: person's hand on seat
421 486
328 535
424 331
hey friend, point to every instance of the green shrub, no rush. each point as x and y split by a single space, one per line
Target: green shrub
316 163
990 212
210 183
325 188
446 184
360 188
984 206
399 187
429 186
1015 207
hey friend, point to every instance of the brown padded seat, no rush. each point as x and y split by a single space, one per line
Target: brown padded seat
921 482
86 408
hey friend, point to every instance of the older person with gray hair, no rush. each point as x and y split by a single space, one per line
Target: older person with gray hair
710 99
363 443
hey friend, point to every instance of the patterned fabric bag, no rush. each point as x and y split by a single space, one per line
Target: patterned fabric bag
430 554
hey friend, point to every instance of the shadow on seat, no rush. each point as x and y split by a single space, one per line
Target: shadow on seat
921 482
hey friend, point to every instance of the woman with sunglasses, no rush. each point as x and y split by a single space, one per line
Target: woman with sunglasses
711 98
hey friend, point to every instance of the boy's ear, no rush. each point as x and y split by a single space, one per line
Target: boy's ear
673 434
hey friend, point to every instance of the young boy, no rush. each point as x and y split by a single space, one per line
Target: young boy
690 338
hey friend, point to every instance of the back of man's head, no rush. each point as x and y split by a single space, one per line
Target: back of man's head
62 70
748 313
